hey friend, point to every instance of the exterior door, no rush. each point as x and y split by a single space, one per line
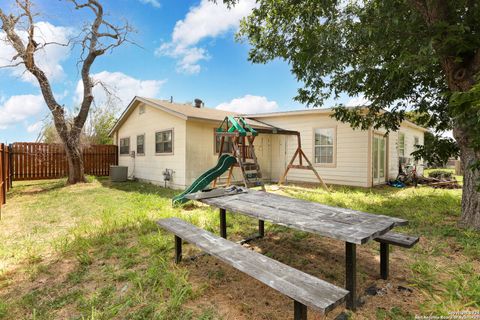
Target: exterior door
263 151
379 159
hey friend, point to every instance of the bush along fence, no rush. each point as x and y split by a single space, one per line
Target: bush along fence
5 174
34 161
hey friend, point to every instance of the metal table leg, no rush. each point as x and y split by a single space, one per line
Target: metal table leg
351 274
261 228
384 257
178 249
299 311
223 223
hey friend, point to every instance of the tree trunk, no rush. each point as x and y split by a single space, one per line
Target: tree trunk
471 178
471 195
76 172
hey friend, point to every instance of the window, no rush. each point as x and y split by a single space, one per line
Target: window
416 141
227 145
324 144
164 142
141 144
141 109
125 146
401 144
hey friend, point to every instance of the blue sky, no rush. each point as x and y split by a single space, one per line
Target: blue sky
185 49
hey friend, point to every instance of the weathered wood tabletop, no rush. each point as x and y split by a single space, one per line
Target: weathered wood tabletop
353 227
332 222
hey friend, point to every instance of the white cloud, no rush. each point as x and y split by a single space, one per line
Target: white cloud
249 104
35 127
358 101
19 108
154 3
122 87
207 20
49 59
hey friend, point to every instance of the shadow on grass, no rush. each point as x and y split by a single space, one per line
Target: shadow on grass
119 271
126 270
139 187
36 187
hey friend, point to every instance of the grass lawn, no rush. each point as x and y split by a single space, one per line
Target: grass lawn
93 251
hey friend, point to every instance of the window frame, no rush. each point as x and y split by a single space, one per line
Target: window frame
403 148
173 145
120 147
416 141
136 144
215 152
333 164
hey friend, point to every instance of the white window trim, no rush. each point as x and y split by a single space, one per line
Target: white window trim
173 144
120 146
144 144
404 144
215 141
334 160
418 140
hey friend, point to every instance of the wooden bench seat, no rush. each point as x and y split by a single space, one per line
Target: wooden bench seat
304 289
396 239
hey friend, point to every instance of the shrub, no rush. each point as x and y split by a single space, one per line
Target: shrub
440 174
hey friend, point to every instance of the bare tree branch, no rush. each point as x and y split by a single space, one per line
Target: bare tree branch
12 65
99 37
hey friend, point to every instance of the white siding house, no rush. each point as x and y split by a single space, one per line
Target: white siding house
180 138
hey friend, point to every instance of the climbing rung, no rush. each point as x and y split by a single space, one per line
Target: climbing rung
251 175
250 166
255 184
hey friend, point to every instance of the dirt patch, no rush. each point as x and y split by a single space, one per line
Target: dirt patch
238 296
58 271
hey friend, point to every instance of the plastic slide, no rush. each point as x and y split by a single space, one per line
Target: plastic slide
223 164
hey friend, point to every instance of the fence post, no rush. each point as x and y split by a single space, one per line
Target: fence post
1 179
4 178
10 169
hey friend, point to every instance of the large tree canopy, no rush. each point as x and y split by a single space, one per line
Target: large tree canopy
402 55
99 37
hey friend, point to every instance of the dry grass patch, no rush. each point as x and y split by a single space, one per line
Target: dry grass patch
93 251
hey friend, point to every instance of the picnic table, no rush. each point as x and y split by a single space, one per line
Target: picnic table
351 226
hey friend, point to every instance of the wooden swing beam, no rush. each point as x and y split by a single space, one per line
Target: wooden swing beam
298 153
301 156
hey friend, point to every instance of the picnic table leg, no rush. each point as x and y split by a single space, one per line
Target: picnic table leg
351 274
223 223
299 311
178 249
261 228
384 257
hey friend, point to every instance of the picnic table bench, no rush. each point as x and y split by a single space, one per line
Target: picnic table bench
304 289
351 226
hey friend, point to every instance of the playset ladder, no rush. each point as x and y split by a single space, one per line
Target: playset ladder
252 177
243 137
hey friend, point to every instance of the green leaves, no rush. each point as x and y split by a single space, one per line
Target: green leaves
384 49
436 150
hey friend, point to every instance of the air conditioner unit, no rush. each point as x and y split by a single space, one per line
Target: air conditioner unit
118 173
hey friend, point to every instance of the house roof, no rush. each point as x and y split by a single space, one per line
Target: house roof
188 112
326 111
182 110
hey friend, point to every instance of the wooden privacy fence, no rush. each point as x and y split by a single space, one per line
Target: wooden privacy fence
33 161
5 178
